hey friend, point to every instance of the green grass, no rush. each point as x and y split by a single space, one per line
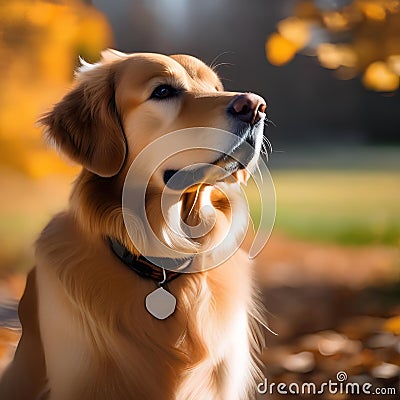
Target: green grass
347 207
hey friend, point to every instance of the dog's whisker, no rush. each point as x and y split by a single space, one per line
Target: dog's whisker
262 323
214 65
221 64
268 143
264 149
268 122
225 79
264 152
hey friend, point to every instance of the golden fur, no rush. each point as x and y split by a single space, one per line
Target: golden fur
86 332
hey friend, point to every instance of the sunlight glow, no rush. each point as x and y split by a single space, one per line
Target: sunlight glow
379 77
279 50
295 30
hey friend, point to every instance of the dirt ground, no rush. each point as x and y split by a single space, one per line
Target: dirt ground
332 309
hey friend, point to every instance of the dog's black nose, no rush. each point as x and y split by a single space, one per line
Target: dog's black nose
248 107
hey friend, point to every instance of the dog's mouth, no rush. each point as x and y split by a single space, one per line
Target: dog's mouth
198 184
229 165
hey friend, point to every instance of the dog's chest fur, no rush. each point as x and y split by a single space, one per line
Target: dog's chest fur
101 343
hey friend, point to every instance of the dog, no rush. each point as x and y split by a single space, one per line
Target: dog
94 325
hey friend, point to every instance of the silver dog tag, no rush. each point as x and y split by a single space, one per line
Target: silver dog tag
160 303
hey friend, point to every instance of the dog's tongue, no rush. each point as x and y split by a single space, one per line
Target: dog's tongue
193 200
196 197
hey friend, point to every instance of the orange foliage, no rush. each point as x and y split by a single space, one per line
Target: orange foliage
359 37
279 50
39 48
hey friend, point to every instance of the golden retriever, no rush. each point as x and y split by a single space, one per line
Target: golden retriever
88 328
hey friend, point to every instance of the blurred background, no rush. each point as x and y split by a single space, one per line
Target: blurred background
329 70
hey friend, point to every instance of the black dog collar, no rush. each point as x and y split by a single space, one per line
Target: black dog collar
146 269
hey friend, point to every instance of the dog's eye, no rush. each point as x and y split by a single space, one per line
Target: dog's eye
164 92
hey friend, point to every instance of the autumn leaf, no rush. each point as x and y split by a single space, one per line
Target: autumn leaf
393 325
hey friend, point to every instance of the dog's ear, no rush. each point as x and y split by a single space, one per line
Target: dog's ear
110 55
85 124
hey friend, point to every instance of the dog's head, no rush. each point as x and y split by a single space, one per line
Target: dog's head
127 102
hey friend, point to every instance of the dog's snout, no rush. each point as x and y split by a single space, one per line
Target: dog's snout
248 107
